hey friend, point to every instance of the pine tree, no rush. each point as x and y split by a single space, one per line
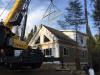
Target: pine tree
96 54
30 35
74 16
96 14
35 29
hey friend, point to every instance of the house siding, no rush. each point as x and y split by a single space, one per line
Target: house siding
57 45
57 53
70 57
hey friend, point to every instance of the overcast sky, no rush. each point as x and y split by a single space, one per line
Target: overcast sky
37 9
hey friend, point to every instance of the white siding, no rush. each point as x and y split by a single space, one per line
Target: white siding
80 37
46 45
56 50
70 34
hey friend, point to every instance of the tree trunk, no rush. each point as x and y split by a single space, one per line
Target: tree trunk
89 35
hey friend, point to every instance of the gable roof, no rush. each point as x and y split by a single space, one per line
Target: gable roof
61 36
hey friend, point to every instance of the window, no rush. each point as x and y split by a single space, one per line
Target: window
46 39
48 51
84 54
37 41
81 39
66 51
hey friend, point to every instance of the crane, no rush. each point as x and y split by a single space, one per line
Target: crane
10 41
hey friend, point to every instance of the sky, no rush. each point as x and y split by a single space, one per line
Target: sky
37 9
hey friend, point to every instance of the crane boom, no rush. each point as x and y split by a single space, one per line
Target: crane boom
14 11
16 17
10 42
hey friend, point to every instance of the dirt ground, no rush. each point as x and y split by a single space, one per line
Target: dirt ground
35 72
44 70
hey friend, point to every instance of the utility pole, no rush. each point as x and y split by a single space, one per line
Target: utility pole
89 35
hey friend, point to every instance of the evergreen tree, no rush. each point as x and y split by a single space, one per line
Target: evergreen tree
96 54
30 35
35 29
74 16
96 14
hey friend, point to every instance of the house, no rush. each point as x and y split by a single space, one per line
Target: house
54 43
81 41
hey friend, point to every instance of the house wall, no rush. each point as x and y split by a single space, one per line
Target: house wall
53 44
67 58
54 47
72 53
81 38
70 34
53 40
55 51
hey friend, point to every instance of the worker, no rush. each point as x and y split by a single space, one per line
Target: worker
91 71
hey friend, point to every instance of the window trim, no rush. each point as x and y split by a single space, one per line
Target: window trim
50 54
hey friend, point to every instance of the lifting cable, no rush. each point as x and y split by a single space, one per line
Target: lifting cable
50 10
5 8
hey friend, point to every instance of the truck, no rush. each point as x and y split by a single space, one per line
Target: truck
9 41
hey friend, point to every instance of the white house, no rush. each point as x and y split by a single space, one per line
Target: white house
55 43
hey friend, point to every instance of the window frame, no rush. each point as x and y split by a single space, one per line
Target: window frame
46 39
48 54
82 40
83 54
67 51
37 40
